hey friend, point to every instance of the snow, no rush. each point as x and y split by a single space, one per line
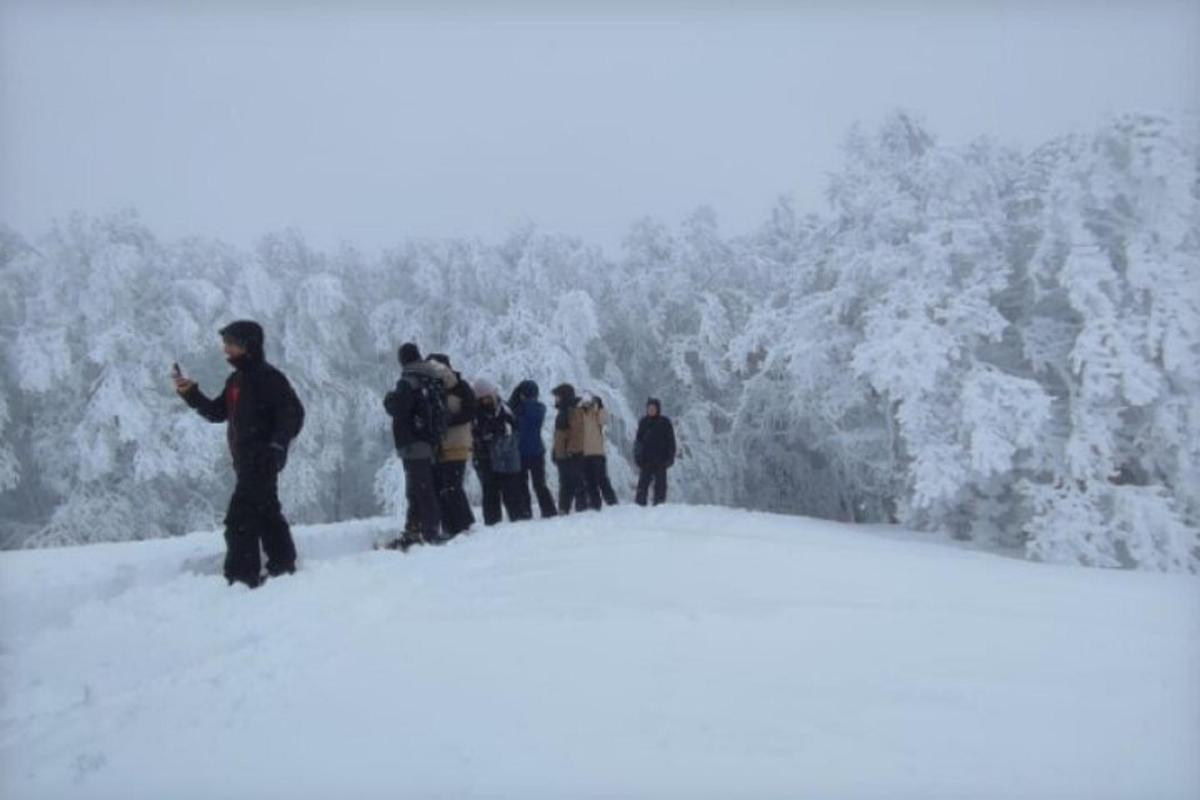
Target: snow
994 343
670 652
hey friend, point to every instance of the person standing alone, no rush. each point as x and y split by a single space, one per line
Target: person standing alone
263 416
654 452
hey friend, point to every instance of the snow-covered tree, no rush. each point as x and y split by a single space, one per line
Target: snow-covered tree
1001 346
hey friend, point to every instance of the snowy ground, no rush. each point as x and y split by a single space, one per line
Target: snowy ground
673 652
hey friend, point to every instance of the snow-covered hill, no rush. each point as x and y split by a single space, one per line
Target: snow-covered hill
673 652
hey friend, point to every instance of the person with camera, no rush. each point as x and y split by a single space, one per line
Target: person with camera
595 462
262 415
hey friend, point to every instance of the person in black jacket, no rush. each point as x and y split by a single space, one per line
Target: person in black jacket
496 455
263 415
409 406
653 452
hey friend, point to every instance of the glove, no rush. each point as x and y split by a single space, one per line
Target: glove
277 456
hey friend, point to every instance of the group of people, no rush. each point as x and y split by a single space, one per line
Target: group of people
440 421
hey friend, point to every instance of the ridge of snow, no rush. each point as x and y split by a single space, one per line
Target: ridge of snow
675 651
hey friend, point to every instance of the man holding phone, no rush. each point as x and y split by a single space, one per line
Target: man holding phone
263 415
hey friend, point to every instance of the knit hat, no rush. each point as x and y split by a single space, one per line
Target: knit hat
485 388
409 353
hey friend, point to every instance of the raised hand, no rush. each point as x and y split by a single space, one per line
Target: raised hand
183 385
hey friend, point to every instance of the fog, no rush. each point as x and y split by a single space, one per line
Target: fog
365 124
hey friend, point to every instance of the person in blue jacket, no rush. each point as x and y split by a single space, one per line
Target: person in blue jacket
530 414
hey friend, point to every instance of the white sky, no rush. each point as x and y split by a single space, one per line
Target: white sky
359 122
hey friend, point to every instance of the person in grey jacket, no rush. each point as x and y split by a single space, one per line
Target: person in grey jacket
413 406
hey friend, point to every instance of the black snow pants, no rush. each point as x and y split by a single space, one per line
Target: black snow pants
452 499
571 484
500 489
595 471
533 470
255 517
422 515
656 474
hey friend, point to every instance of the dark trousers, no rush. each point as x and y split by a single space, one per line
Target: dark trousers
422 516
595 471
533 470
571 488
255 517
606 487
452 500
500 489
659 476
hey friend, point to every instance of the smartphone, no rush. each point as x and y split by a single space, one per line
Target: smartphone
176 372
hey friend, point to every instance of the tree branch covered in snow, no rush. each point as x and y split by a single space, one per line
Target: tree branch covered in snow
1001 346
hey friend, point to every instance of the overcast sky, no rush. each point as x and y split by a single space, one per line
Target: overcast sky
357 122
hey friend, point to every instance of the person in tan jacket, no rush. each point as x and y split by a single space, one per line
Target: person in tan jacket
451 467
568 449
595 464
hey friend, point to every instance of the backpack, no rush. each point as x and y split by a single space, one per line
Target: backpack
506 454
294 401
430 416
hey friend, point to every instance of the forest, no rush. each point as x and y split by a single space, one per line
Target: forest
998 345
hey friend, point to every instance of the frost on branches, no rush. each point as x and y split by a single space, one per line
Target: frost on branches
1001 346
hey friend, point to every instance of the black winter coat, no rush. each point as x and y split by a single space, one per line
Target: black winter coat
261 410
400 404
487 428
654 445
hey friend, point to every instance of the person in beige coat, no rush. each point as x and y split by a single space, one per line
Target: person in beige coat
568 449
451 467
595 463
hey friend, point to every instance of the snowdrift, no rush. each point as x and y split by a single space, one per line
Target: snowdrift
669 652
